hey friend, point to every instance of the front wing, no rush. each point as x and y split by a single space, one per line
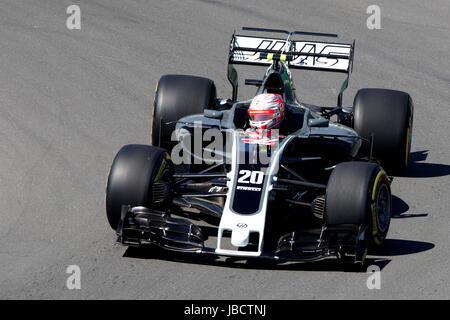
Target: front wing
140 226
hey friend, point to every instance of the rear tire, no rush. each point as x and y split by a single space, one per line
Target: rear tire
358 193
388 114
178 96
133 173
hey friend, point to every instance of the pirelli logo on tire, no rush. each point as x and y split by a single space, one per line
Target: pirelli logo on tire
381 177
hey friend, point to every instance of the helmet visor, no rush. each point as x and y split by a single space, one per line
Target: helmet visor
261 115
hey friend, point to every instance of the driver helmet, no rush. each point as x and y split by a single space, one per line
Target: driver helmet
266 111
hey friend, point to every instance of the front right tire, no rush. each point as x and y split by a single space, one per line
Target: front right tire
135 171
178 96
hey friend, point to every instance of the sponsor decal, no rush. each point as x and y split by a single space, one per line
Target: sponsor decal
248 188
217 189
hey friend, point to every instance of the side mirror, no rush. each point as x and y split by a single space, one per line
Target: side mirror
318 123
213 114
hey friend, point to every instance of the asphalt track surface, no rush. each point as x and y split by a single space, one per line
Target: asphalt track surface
69 99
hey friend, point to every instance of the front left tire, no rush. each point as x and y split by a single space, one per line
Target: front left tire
359 194
388 115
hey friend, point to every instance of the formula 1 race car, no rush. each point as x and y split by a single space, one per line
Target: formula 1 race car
310 189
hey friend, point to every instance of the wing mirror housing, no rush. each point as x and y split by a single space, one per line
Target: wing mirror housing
318 123
213 114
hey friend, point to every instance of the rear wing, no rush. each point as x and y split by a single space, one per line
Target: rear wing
297 54
311 55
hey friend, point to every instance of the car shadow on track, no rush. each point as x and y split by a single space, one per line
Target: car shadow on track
400 247
400 207
419 169
329 265
391 247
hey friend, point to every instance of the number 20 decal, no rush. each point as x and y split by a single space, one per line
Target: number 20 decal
253 177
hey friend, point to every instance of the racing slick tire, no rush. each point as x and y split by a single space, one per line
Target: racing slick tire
388 114
177 96
133 174
359 193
